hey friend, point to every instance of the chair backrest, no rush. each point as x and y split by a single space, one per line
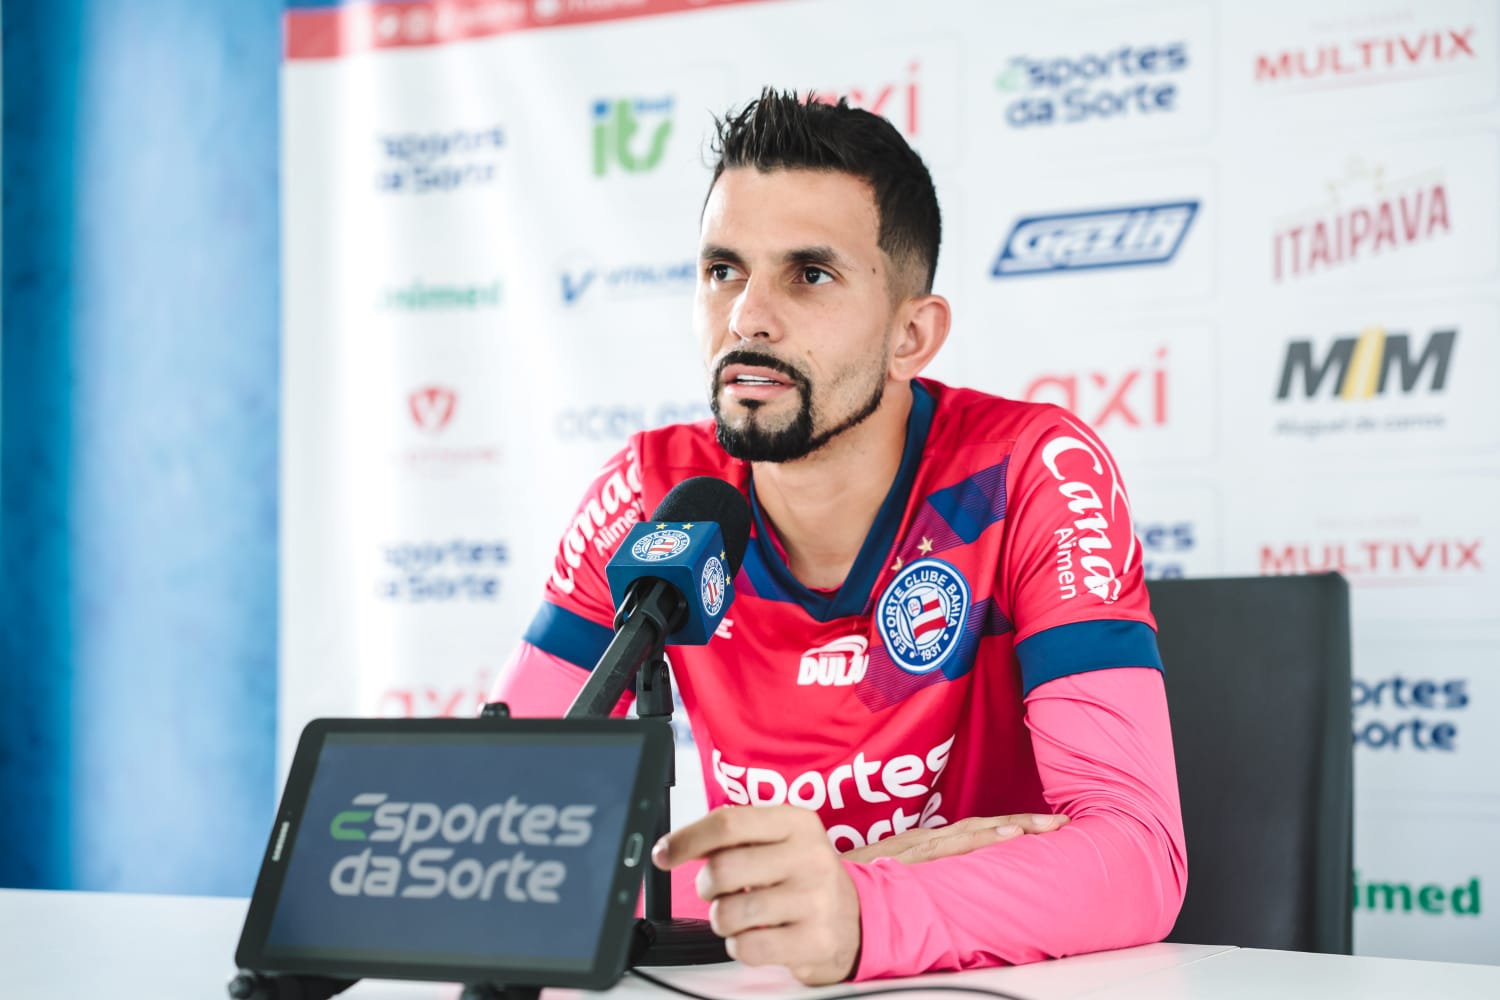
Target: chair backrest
1257 677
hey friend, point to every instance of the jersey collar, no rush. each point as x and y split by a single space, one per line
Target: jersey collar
768 571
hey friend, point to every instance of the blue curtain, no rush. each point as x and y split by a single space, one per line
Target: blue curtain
139 393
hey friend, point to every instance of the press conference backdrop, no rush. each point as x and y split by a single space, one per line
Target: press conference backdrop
1293 348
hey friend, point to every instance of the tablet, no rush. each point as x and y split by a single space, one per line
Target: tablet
505 851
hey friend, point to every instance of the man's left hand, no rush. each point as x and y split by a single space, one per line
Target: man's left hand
778 891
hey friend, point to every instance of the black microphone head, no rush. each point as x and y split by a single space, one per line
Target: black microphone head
704 498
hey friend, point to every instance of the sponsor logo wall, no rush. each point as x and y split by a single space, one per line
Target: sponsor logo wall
1255 247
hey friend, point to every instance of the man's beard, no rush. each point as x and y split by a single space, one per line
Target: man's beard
753 443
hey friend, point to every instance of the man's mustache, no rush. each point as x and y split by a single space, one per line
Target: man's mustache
759 360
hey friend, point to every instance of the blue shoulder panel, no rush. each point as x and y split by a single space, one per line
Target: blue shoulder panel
568 636
1080 647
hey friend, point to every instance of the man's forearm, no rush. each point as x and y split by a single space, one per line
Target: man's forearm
1112 878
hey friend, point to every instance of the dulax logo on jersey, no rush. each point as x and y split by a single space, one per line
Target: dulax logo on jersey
659 545
921 615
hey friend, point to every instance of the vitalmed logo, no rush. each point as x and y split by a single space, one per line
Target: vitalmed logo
1375 560
857 783
1077 241
631 133
1133 397
1372 57
1411 713
633 280
432 407
617 422
403 859
839 663
421 296
439 162
1091 491
605 518
898 100
1367 215
442 572
1124 82
1166 548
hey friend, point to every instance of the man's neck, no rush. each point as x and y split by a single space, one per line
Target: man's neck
822 506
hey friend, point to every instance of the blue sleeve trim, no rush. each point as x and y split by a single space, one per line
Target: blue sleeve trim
568 636
1083 646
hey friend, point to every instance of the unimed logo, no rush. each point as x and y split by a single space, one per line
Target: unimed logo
616 124
1373 363
1431 898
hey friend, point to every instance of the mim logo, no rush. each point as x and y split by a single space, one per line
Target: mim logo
1374 363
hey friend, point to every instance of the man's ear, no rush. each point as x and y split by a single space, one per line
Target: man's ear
923 331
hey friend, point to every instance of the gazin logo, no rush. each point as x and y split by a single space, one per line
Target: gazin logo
616 123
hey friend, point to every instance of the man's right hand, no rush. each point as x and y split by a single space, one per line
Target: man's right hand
916 846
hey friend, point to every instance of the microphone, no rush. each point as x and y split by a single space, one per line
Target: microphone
671 581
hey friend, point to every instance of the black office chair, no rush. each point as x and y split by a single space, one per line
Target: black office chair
1257 677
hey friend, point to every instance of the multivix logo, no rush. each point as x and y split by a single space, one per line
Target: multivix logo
631 133
1375 363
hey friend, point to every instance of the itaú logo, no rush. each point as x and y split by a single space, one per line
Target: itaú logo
416 868
432 407
839 663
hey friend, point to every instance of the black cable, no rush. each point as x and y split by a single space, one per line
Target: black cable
851 995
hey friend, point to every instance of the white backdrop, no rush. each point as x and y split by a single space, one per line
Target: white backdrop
490 223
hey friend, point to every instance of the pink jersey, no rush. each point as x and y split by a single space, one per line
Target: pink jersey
1002 567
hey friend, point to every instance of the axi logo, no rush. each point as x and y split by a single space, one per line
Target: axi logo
1360 61
1111 237
616 123
1093 86
1367 215
899 102
1376 559
432 407
1374 363
1410 709
1136 397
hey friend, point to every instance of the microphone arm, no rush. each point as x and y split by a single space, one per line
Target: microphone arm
652 610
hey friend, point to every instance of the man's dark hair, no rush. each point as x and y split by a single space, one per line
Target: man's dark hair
781 131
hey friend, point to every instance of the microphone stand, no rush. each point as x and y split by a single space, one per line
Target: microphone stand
660 938
643 622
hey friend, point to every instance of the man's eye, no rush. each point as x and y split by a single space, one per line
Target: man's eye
816 276
720 272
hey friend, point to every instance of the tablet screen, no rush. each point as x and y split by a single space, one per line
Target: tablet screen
484 850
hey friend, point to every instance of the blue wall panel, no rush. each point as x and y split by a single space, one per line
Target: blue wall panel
138 432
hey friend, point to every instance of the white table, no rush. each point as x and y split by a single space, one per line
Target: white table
73 945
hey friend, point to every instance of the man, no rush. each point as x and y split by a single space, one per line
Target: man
940 630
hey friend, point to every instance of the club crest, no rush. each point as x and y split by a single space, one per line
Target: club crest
921 615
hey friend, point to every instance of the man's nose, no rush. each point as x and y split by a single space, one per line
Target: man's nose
755 313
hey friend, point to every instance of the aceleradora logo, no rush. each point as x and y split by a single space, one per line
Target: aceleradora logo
431 872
